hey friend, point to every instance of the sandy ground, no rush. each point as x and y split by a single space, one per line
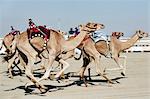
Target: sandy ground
136 84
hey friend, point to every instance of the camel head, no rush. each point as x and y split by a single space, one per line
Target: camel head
61 32
141 34
117 34
96 26
9 45
91 27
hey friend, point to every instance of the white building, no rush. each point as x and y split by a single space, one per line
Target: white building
142 45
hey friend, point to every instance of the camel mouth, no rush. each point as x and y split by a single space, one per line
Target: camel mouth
147 35
2 54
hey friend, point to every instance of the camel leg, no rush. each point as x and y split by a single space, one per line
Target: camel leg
99 71
11 61
65 64
28 72
16 65
116 59
86 62
124 64
92 51
49 67
43 62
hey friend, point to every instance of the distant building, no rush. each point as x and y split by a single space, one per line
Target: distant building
142 45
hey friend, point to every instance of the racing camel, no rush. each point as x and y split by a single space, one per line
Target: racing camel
114 47
89 52
55 46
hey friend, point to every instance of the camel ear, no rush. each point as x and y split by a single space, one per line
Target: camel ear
122 34
95 25
80 25
113 33
139 31
88 24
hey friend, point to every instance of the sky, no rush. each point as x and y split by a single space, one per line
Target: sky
117 15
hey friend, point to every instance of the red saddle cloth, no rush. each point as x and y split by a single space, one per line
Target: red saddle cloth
15 32
40 30
45 31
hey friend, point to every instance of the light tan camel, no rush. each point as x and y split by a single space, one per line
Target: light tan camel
9 53
10 57
114 47
55 45
89 53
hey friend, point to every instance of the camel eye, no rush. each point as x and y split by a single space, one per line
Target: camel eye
95 25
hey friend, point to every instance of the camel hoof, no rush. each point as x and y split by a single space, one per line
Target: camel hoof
43 91
104 70
111 82
43 87
58 79
122 73
11 77
86 84
26 85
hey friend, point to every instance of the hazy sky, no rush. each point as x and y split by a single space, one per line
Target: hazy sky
117 15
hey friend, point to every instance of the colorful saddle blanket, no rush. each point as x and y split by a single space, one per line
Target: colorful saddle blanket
40 31
15 32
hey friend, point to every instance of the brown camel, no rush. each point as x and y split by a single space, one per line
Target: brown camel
114 47
55 46
10 57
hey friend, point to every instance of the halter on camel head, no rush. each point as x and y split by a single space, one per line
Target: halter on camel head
9 43
91 27
141 34
95 25
117 34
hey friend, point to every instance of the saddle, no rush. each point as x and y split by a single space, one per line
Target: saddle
40 31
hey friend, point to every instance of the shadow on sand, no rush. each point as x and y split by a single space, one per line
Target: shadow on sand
51 88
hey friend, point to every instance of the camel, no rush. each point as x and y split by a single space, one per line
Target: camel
114 47
10 56
90 52
55 46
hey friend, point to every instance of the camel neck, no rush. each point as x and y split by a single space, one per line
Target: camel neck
129 43
73 43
